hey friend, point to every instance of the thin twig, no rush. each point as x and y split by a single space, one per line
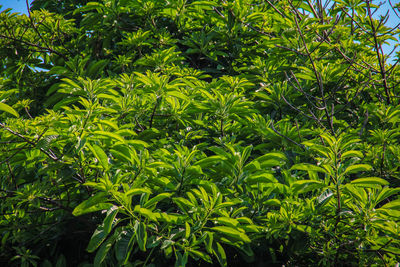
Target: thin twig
286 137
378 54
49 154
317 75
152 114
277 10
48 49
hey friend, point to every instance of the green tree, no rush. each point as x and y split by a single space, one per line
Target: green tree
160 133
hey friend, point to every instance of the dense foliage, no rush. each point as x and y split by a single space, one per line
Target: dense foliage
154 133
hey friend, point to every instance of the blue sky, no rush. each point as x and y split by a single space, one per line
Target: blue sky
16 5
20 6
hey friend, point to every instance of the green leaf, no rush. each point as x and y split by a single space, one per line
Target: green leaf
199 254
141 236
227 221
246 153
225 204
326 152
178 95
308 167
395 205
166 244
357 168
145 212
385 193
390 212
149 204
124 244
357 193
352 154
108 135
88 7
272 202
187 230
261 178
183 203
208 241
277 156
92 204
139 144
100 155
304 186
108 222
369 181
103 251
137 191
98 237
65 102
219 252
181 260
8 109
324 198
232 232
204 163
122 154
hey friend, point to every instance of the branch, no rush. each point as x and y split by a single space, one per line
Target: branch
317 75
48 49
286 137
153 113
378 54
277 10
49 154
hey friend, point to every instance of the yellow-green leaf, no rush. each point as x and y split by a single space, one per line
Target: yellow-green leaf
368 181
358 168
232 232
8 109
307 167
100 155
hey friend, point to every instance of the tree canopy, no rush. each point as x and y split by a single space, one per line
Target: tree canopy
199 133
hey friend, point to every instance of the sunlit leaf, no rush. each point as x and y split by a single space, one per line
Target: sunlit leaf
8 109
357 168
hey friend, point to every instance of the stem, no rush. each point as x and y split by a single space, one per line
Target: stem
317 75
181 182
286 137
12 176
383 158
222 128
338 202
85 121
27 112
48 49
148 257
153 113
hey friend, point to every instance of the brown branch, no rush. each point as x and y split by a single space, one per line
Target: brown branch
48 49
49 154
317 75
378 54
277 10
153 113
364 124
56 203
286 137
